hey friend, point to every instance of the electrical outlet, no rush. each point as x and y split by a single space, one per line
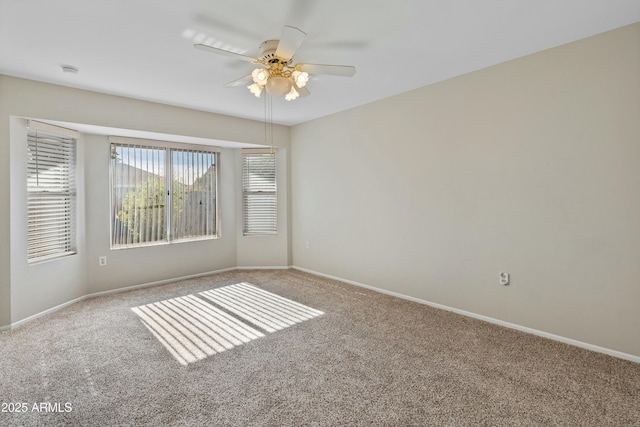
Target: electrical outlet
102 261
504 279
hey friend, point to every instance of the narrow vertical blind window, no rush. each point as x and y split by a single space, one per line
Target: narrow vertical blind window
193 211
51 195
161 194
138 195
259 197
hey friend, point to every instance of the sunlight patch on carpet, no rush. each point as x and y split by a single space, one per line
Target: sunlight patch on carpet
268 311
193 328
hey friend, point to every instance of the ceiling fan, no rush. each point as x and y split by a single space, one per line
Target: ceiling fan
276 72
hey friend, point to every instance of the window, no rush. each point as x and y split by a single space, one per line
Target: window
259 199
162 192
193 212
51 192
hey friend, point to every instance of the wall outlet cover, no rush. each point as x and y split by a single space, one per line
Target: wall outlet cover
504 278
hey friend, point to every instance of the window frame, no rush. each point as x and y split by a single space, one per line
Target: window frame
58 188
260 190
168 208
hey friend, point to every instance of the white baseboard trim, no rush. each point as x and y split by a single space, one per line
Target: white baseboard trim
111 291
157 283
263 267
515 326
48 311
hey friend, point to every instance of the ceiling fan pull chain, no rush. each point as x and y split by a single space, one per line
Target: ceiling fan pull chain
271 120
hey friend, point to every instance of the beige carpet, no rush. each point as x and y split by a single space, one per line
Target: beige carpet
285 348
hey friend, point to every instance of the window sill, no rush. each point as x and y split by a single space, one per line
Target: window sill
165 243
50 258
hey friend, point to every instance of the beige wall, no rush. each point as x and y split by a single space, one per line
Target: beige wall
530 167
28 290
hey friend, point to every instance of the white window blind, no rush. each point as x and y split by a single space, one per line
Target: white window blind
259 196
194 208
138 195
161 192
51 192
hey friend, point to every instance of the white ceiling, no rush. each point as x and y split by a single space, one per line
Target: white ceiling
138 48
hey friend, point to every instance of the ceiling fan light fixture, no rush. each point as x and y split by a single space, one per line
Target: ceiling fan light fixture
279 86
277 73
293 94
255 89
260 76
300 78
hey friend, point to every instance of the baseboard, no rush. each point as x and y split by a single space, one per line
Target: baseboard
157 283
48 311
515 326
111 291
263 267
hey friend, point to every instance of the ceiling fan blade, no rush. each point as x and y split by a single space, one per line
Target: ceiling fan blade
303 91
212 49
290 41
240 82
331 70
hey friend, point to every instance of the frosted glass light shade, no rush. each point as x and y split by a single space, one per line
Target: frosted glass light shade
278 86
300 77
255 89
260 76
293 94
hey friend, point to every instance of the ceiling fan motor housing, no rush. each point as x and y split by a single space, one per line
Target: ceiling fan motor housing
268 51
